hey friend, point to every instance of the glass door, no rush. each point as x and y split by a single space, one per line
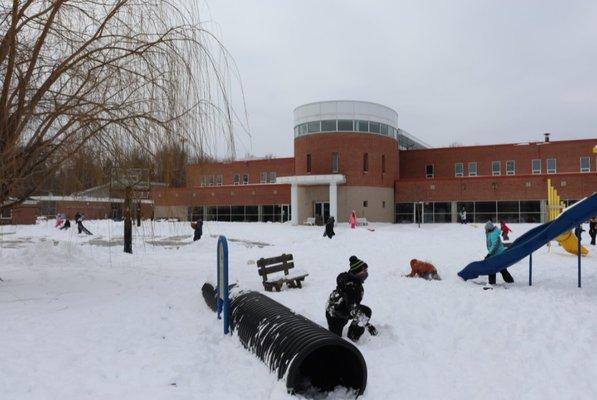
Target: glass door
321 211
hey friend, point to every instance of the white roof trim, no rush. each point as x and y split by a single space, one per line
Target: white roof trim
312 179
87 199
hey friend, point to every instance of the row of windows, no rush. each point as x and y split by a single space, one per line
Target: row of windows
496 167
237 179
345 125
240 213
480 211
335 162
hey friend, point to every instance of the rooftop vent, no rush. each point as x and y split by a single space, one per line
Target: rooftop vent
546 137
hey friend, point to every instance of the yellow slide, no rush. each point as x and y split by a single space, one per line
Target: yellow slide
569 242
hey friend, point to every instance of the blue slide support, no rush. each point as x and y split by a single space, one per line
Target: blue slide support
533 239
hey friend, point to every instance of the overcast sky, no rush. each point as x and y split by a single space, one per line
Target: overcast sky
473 72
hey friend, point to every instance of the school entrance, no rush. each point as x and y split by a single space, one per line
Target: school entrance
321 211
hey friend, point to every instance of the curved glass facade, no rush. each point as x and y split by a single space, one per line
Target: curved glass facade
345 125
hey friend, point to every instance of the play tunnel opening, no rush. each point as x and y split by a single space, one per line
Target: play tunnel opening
328 367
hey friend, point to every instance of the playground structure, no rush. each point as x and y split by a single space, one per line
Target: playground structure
555 205
309 356
533 240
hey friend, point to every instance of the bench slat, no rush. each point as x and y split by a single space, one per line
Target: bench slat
275 268
274 260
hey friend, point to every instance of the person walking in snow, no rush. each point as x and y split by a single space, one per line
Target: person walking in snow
505 230
494 248
593 229
463 216
59 221
344 303
198 226
329 228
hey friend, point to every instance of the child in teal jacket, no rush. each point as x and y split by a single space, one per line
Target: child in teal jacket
495 247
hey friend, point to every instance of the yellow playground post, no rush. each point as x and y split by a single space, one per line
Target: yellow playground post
554 208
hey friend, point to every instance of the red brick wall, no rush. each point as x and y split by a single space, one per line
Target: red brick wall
567 154
575 186
223 195
22 214
351 147
97 210
281 166
91 210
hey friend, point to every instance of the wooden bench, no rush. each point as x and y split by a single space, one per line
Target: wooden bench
362 222
309 221
270 269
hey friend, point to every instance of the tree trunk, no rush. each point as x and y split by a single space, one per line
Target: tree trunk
139 213
128 221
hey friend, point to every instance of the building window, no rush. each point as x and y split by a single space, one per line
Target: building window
496 168
6 213
302 129
335 162
272 177
585 164
363 126
328 125
314 126
383 163
365 203
202 181
345 125
210 180
236 179
383 204
472 169
308 163
510 167
536 166
245 179
551 165
365 162
458 169
374 127
384 129
263 177
429 171
219 180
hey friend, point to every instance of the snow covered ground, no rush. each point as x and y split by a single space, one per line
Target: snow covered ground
79 319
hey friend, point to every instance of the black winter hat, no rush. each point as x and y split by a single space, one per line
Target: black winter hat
356 265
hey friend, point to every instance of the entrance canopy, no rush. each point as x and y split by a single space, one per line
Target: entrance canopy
311 180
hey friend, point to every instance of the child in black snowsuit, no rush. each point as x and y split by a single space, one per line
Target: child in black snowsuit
344 303
66 225
593 229
82 229
329 228
198 230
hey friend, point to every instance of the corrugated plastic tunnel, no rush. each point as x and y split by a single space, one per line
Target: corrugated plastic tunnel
309 356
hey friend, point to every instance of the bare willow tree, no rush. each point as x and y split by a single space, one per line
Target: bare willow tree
111 74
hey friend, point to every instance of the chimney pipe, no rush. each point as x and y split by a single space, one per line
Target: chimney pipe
546 137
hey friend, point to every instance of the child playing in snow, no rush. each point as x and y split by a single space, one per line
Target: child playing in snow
423 270
593 229
59 221
494 248
329 228
198 227
344 303
352 220
463 216
505 230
